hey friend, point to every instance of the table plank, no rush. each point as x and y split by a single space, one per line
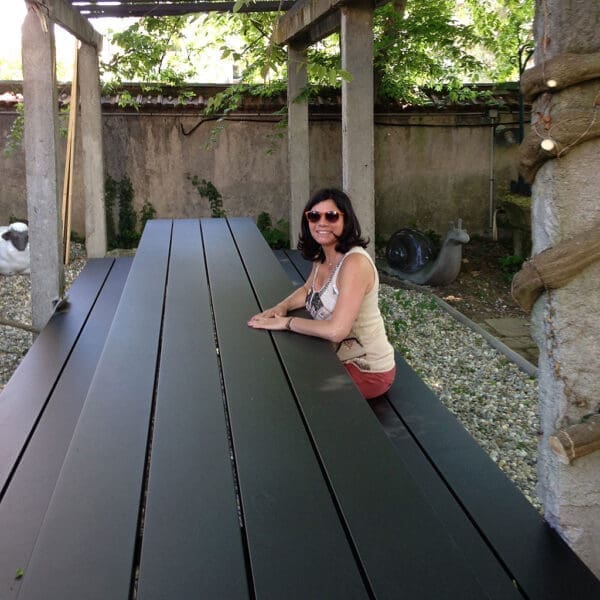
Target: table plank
288 266
545 567
26 393
302 265
296 544
192 545
490 573
26 500
398 536
86 546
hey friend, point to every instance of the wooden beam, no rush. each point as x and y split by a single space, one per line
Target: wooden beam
324 28
297 23
67 17
309 21
556 266
577 440
152 9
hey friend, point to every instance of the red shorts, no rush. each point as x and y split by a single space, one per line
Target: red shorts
370 384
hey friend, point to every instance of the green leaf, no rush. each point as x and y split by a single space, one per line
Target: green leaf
239 4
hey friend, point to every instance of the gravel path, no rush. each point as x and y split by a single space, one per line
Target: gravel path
492 397
15 306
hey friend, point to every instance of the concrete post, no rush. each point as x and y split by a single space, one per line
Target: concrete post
298 139
358 158
566 322
92 156
41 165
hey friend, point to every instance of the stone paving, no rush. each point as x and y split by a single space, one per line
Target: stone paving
515 333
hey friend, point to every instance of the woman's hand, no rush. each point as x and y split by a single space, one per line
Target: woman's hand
278 310
273 322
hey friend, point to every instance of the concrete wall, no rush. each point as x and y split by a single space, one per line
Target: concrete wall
429 170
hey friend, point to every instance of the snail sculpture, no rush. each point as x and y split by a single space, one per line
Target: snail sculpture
410 256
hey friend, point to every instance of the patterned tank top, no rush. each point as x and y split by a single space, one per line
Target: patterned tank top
367 345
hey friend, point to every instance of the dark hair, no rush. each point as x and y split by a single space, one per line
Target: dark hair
351 234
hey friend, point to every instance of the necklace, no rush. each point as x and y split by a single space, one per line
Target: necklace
333 265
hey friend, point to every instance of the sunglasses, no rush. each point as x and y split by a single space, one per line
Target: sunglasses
331 216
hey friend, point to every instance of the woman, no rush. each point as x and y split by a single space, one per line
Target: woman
341 294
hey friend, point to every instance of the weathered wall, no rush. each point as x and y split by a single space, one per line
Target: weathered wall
427 173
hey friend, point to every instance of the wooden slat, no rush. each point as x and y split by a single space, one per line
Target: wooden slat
26 500
192 544
303 266
488 570
532 552
296 545
87 541
289 268
402 544
25 395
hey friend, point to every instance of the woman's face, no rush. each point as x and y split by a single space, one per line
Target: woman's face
324 232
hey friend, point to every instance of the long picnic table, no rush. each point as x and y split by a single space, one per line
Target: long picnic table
166 450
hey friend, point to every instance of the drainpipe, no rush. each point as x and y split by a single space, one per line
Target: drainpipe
493 115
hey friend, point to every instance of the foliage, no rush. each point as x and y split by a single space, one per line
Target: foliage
147 213
147 52
110 201
120 194
277 236
422 48
128 236
510 265
207 190
77 238
15 135
504 28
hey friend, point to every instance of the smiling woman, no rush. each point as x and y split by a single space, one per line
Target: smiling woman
341 294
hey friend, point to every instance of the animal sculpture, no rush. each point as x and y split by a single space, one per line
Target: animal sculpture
14 249
410 256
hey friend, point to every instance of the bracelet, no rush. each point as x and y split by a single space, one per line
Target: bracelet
288 325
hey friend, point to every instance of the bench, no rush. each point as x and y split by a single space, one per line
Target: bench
153 446
460 479
41 404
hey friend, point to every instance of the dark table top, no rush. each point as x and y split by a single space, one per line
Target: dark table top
211 460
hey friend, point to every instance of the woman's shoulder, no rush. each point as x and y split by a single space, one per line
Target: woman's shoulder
358 255
357 259
357 250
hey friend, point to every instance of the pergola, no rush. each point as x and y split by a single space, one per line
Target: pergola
303 22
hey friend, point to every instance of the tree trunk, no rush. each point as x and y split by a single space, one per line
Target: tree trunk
566 321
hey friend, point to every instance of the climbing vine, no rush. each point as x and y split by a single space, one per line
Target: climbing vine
118 198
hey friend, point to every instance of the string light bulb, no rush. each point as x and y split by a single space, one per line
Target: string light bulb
548 145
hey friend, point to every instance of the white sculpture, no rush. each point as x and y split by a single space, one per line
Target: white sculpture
14 249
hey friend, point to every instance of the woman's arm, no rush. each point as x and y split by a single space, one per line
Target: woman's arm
295 300
355 279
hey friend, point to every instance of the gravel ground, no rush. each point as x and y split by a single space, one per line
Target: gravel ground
15 306
495 401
